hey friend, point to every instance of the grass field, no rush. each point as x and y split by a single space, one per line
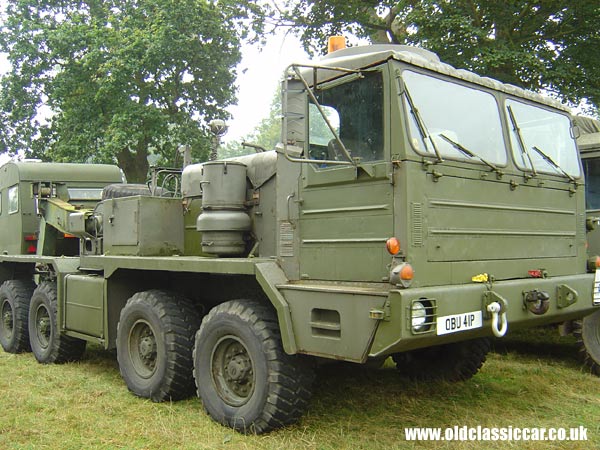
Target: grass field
531 380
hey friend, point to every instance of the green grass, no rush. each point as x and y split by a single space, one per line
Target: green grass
532 380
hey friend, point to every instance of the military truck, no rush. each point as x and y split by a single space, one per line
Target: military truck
587 330
413 210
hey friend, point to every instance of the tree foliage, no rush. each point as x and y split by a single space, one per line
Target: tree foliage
551 44
117 81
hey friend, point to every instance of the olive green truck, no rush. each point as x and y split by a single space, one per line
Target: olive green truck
587 330
412 210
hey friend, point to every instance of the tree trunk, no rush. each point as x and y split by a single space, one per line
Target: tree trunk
135 165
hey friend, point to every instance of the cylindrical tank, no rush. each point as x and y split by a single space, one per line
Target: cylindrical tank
223 185
223 220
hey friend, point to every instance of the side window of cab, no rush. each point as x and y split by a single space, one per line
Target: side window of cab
13 199
354 110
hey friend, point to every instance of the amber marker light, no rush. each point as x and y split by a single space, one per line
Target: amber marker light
407 272
336 43
593 263
393 246
402 275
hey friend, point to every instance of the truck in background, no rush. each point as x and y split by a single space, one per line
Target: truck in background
587 330
413 210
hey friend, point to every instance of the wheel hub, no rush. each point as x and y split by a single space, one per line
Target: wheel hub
43 326
238 368
7 319
233 371
147 347
143 349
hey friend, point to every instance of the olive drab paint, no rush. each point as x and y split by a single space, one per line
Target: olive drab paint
479 182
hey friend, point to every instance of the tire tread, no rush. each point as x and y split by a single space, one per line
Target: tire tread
180 320
585 354
289 379
453 362
21 291
63 348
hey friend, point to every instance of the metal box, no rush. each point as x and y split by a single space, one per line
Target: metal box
84 306
143 226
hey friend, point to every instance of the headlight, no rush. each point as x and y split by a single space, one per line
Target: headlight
418 314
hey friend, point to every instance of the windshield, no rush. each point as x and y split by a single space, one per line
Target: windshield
85 193
591 169
449 114
542 132
355 111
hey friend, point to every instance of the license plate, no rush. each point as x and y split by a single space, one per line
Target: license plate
597 288
459 322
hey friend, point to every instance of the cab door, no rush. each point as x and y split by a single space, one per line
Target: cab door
346 211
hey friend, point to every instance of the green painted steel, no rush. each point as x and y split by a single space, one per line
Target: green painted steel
84 304
480 183
143 226
589 147
19 218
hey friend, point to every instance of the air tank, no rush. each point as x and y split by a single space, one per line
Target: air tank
224 219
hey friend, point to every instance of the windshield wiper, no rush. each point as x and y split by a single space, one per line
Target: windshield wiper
421 125
553 163
465 151
517 131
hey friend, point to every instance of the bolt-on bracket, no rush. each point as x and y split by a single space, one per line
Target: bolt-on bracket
384 313
566 296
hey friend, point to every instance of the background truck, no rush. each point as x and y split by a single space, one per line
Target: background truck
587 330
412 210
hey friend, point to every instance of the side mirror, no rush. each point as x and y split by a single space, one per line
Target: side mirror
294 103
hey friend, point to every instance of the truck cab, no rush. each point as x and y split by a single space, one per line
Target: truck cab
20 186
449 191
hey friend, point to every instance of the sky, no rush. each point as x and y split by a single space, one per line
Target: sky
259 73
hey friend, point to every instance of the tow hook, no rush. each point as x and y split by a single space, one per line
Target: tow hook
536 302
498 315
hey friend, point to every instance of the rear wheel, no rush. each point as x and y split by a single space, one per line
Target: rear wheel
458 361
47 343
244 378
15 296
587 333
155 337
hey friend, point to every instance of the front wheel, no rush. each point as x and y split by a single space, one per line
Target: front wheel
47 343
155 336
587 334
458 361
15 296
244 378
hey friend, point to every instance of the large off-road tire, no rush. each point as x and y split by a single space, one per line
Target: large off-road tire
458 361
244 378
155 338
15 296
587 334
47 343
125 190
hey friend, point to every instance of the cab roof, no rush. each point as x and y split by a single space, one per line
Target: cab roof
363 57
590 133
57 172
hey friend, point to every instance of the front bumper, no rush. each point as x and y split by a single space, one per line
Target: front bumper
569 297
